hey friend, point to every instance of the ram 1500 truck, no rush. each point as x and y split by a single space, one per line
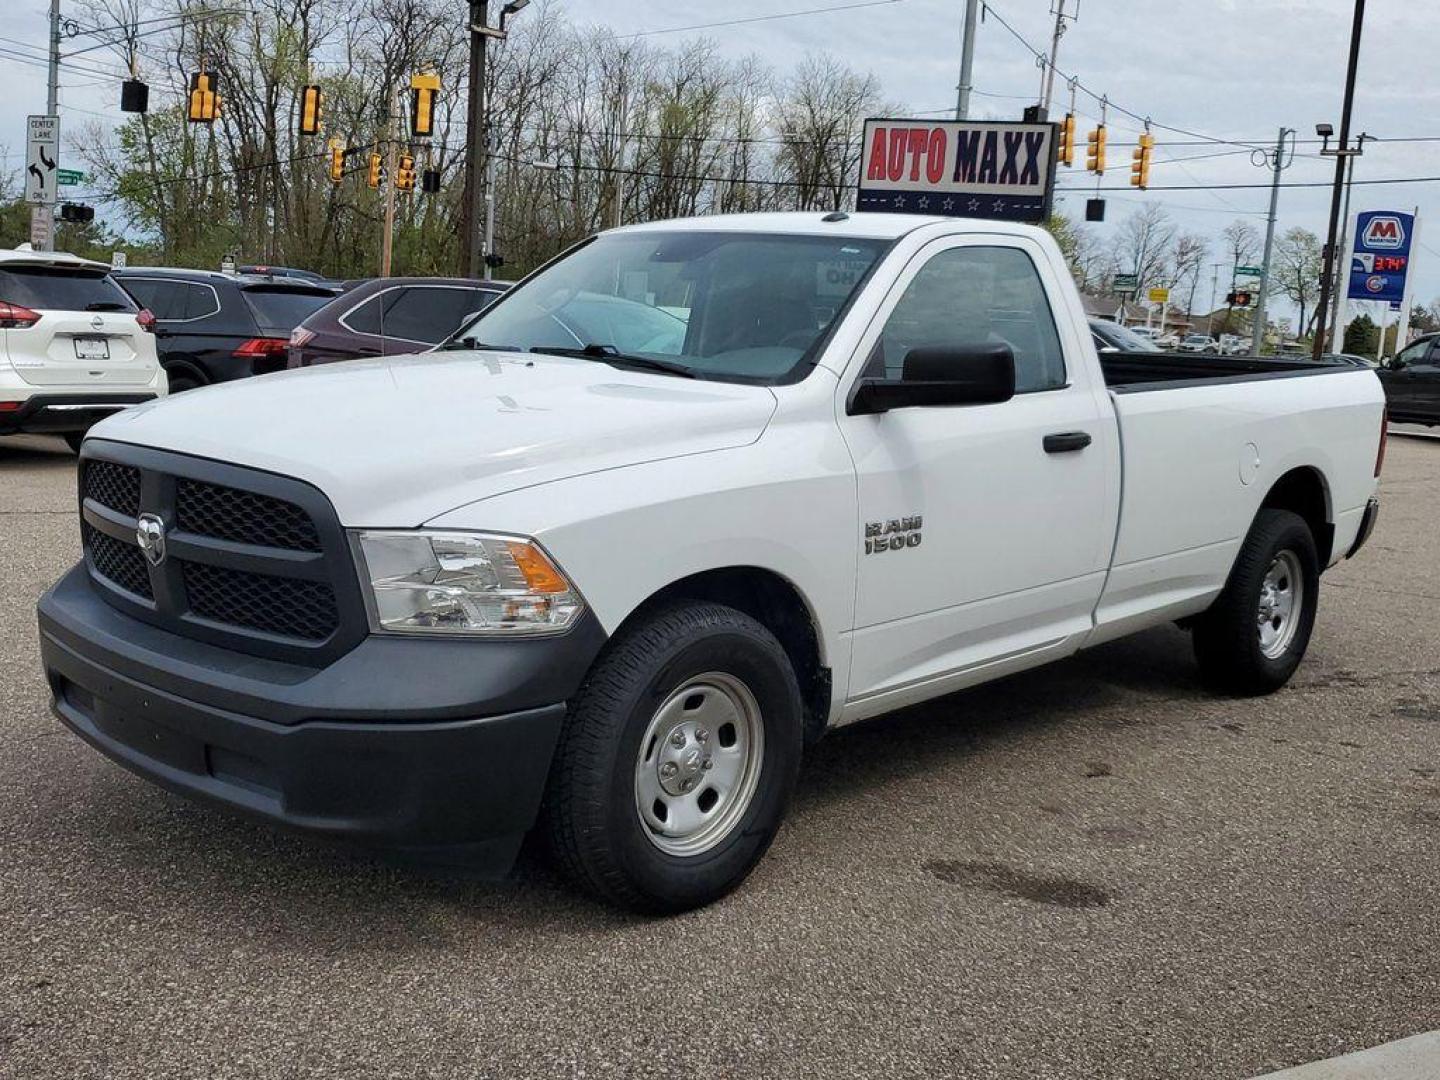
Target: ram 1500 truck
686 497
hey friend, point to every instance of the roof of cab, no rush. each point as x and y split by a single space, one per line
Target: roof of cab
858 224
24 254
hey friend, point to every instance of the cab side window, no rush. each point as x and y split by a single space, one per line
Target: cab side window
976 296
1418 356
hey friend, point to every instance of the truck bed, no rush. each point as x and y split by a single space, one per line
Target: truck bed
1130 372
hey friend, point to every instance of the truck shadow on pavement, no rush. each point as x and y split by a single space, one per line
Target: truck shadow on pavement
146 842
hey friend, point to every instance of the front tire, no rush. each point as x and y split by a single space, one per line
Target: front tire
1255 634
677 760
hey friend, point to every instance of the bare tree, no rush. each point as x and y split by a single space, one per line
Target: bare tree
1144 246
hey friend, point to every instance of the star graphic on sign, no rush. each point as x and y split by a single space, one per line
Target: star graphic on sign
924 203
899 202
974 205
999 206
948 204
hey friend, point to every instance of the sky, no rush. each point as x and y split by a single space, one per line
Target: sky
1234 70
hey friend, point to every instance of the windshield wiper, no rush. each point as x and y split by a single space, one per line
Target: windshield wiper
477 345
608 354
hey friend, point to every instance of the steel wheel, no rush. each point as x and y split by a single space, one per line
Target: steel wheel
699 764
1282 594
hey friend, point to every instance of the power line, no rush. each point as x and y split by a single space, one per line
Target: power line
760 18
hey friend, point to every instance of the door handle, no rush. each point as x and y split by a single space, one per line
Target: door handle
1066 441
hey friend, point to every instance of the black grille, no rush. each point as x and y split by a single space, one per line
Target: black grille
117 561
290 607
115 486
243 517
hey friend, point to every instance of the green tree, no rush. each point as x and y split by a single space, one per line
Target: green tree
1361 336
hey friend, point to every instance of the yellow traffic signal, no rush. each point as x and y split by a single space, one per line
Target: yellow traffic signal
423 89
373 177
337 161
1095 151
203 104
405 173
1066 154
1140 166
310 110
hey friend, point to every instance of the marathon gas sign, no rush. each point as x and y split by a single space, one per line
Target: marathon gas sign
1381 258
962 168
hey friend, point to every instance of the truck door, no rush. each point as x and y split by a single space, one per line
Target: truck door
984 539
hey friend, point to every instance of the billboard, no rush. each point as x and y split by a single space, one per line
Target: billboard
960 168
1381 256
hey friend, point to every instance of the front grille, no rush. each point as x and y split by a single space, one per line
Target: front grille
117 561
115 486
290 607
252 561
244 517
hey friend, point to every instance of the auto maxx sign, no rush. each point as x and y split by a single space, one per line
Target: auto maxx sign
963 168
1381 257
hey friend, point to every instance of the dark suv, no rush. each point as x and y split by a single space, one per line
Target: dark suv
1412 382
389 316
214 327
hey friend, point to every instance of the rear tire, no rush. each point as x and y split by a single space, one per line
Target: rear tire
677 760
1255 634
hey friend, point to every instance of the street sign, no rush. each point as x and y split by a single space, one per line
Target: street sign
119 260
961 168
1381 257
42 227
1159 296
42 158
1125 282
1249 271
69 177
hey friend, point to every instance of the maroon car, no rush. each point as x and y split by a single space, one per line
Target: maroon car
388 316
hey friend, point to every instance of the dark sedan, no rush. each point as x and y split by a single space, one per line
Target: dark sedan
213 327
389 316
1412 382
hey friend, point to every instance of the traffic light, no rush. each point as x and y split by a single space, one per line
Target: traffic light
1239 298
1095 151
310 110
373 176
134 96
430 181
76 213
204 101
337 161
423 89
1140 167
405 173
1066 154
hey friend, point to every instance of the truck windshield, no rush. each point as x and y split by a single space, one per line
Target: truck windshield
726 306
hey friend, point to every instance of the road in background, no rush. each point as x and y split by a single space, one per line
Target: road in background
1097 869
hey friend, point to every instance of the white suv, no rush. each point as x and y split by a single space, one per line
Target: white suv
74 345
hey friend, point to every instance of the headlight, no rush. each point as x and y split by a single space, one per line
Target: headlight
464 583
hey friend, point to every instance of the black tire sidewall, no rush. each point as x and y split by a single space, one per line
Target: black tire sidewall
677 882
1284 532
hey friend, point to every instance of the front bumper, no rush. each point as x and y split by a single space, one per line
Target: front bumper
61 414
435 748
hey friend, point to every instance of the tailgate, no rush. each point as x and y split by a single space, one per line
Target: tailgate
86 333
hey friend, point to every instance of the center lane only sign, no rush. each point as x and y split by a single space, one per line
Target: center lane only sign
962 168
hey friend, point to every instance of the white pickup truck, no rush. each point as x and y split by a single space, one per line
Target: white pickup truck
686 497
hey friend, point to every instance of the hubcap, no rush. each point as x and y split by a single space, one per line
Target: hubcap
699 764
1281 595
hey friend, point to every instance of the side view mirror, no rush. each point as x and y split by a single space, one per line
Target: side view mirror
944 375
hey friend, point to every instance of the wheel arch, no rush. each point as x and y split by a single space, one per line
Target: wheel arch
186 368
775 602
1304 491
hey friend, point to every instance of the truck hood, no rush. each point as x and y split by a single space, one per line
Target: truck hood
395 441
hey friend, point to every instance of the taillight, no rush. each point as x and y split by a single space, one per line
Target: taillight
300 337
10 406
146 320
15 317
259 348
1384 433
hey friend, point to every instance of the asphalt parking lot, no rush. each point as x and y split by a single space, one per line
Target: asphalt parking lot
1096 870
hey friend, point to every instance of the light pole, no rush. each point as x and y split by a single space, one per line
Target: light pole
1340 153
479 152
1339 260
967 59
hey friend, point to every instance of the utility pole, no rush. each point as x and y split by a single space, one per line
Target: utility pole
1339 256
1341 153
1049 84
387 241
1277 163
488 271
52 97
967 59
477 142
